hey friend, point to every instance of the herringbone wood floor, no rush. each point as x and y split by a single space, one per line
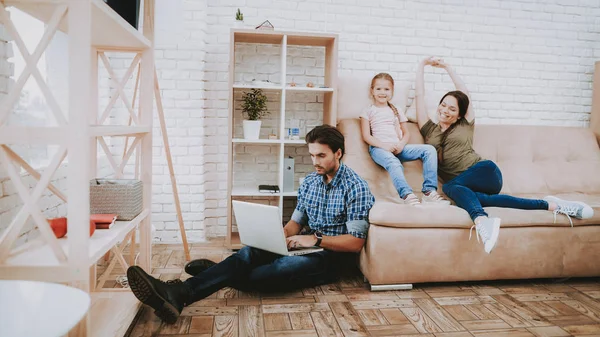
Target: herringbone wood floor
347 308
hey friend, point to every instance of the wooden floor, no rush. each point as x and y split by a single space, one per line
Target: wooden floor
347 308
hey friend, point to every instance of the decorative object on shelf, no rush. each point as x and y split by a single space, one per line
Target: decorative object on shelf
59 226
116 196
288 174
266 25
103 221
127 9
272 136
254 105
310 85
292 84
268 188
293 133
239 19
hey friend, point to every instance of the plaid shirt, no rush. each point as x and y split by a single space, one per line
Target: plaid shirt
340 207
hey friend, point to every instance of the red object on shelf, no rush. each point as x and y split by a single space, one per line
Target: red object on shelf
59 226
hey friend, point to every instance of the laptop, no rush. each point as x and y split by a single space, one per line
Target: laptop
260 227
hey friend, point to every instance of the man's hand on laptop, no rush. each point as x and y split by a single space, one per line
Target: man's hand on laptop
301 241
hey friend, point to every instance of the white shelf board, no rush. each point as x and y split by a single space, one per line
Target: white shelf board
251 86
33 134
109 29
256 141
38 253
295 141
59 134
315 89
290 194
251 192
117 130
112 312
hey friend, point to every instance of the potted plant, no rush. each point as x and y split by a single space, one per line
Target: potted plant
239 19
254 105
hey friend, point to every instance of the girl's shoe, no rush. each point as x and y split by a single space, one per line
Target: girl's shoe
435 198
411 199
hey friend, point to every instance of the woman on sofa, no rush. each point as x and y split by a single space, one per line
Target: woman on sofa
470 180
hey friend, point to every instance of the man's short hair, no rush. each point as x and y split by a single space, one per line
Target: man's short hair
327 135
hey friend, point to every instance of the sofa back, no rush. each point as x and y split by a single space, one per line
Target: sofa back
534 160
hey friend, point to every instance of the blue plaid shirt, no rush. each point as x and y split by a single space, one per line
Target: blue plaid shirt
340 207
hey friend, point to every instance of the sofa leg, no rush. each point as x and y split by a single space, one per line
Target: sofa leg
384 287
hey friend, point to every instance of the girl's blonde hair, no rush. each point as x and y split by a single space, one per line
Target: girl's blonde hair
387 77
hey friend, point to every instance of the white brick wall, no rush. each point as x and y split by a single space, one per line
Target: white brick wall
524 62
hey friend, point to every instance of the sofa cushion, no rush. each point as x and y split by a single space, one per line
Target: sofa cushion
541 159
392 214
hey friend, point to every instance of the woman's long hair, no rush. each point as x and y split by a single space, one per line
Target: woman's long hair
463 106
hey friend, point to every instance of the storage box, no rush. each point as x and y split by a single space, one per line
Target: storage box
116 196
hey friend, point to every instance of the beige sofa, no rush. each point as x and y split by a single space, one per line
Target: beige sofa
408 244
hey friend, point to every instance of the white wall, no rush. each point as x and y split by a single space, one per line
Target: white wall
525 62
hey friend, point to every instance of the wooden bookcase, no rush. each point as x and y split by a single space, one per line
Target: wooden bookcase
80 133
279 88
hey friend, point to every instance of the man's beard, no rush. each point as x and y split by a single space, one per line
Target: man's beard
325 172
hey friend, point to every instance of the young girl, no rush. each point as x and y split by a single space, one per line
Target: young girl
384 129
470 180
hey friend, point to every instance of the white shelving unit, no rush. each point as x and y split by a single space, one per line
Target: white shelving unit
284 40
72 259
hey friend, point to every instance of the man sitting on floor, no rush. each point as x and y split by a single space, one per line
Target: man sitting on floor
333 201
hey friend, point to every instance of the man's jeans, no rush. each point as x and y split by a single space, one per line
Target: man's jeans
252 269
478 187
393 164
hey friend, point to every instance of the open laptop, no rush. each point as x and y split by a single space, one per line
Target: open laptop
260 227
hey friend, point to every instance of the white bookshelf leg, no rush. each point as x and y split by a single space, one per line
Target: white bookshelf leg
80 54
146 111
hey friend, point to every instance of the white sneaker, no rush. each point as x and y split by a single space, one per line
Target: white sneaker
488 229
411 199
578 209
435 198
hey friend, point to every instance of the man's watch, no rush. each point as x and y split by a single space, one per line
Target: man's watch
319 237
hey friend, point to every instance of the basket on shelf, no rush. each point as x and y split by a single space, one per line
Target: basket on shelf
116 196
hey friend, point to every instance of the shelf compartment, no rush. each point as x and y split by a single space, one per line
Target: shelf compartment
256 141
289 88
252 86
38 253
109 30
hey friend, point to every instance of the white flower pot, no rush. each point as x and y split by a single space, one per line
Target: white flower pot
251 129
238 24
